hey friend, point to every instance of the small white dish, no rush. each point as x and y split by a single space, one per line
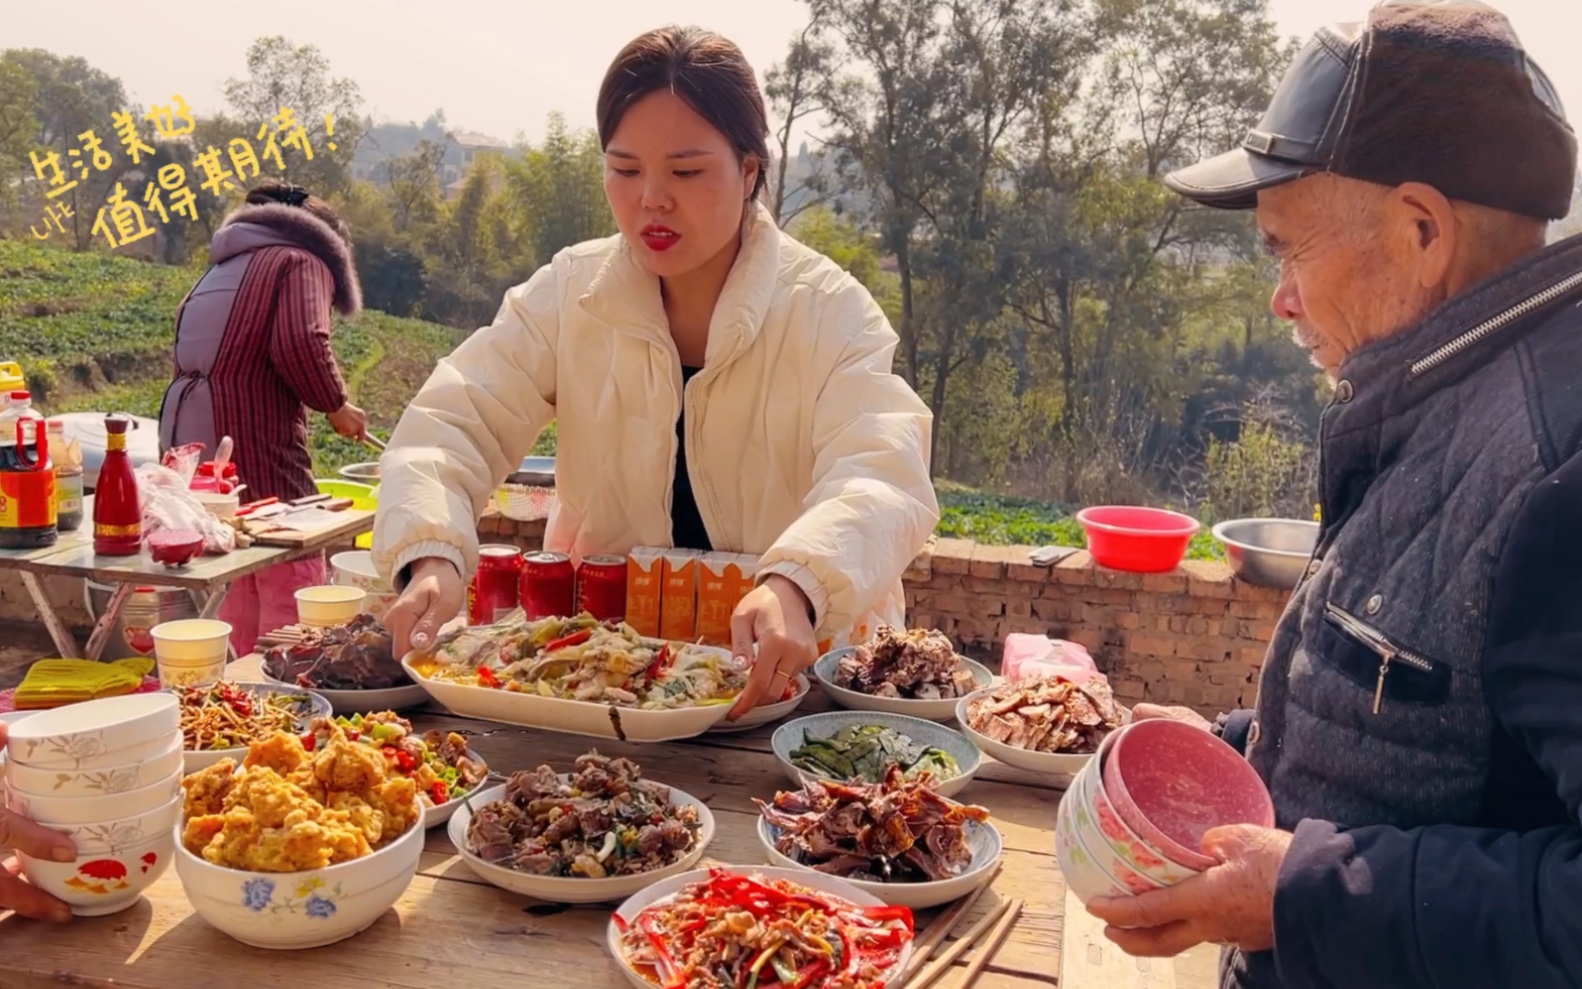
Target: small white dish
573 889
766 713
987 848
793 735
829 885
1059 764
855 700
106 732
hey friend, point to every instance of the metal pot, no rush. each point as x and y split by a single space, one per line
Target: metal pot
1268 552
145 608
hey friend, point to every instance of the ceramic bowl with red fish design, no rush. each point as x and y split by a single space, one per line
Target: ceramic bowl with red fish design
104 883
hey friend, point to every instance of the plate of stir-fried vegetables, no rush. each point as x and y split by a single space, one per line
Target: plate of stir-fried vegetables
764 928
582 676
221 720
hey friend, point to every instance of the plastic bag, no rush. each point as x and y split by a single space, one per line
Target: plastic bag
168 504
1028 657
184 460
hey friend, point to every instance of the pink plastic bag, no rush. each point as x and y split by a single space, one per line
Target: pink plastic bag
1031 656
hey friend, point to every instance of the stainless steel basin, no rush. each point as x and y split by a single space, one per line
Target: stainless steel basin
1268 552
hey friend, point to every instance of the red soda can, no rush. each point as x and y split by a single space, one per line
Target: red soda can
601 587
548 586
492 594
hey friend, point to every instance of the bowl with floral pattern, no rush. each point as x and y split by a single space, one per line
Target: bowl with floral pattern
1101 828
86 810
1084 874
114 837
111 731
294 910
103 882
1102 871
121 778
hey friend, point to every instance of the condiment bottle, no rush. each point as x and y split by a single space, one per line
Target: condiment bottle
27 478
67 454
117 511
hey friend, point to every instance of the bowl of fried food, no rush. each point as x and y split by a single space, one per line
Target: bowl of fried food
296 849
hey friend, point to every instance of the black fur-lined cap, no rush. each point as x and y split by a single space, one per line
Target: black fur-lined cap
1432 91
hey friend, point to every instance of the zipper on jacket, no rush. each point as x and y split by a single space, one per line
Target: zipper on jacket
1488 327
1388 651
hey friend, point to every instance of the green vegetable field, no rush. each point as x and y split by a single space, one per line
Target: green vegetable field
93 332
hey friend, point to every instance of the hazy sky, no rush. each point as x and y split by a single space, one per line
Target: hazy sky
502 66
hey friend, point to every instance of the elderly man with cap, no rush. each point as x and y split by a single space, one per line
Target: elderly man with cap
1419 718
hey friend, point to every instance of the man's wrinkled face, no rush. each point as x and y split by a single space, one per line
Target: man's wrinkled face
1339 286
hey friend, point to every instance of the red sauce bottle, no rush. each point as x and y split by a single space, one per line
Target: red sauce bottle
117 512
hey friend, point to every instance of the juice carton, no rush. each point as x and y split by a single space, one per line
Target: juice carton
678 596
723 580
644 577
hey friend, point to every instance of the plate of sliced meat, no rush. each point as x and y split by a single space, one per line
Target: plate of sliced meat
1046 725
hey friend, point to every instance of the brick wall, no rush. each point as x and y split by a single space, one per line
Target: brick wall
1195 636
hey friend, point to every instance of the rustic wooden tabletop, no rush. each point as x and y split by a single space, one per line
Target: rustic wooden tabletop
453 931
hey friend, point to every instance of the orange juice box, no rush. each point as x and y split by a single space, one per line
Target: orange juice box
678 595
644 576
723 580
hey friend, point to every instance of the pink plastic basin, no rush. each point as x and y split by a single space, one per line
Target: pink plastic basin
1135 539
1172 783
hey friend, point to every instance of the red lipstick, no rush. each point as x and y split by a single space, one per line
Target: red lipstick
659 237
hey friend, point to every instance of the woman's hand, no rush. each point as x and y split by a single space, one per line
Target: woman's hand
777 618
435 595
351 422
21 834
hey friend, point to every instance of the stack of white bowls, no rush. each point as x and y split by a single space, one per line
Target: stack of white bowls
106 773
1133 819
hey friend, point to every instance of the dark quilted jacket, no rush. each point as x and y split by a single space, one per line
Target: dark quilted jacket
1436 812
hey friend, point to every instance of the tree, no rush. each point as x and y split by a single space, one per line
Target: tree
555 191
18 128
286 78
69 99
794 88
924 126
414 188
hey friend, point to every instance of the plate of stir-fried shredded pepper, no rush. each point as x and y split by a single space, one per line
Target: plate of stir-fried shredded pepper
223 719
767 928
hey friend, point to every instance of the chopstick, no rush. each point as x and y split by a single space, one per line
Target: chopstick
939 966
946 923
374 441
997 937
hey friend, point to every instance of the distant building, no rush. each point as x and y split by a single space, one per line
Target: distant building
464 150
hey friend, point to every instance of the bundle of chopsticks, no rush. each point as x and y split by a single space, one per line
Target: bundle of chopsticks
290 635
991 929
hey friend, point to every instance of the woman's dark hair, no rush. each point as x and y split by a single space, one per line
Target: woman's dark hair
704 69
279 191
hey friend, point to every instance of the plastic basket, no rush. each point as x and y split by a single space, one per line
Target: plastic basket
365 497
523 502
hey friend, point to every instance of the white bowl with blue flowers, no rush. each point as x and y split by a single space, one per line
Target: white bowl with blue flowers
294 910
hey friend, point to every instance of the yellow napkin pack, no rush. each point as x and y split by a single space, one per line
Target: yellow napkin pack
53 682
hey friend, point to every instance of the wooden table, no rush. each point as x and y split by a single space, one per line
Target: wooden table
453 931
206 578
